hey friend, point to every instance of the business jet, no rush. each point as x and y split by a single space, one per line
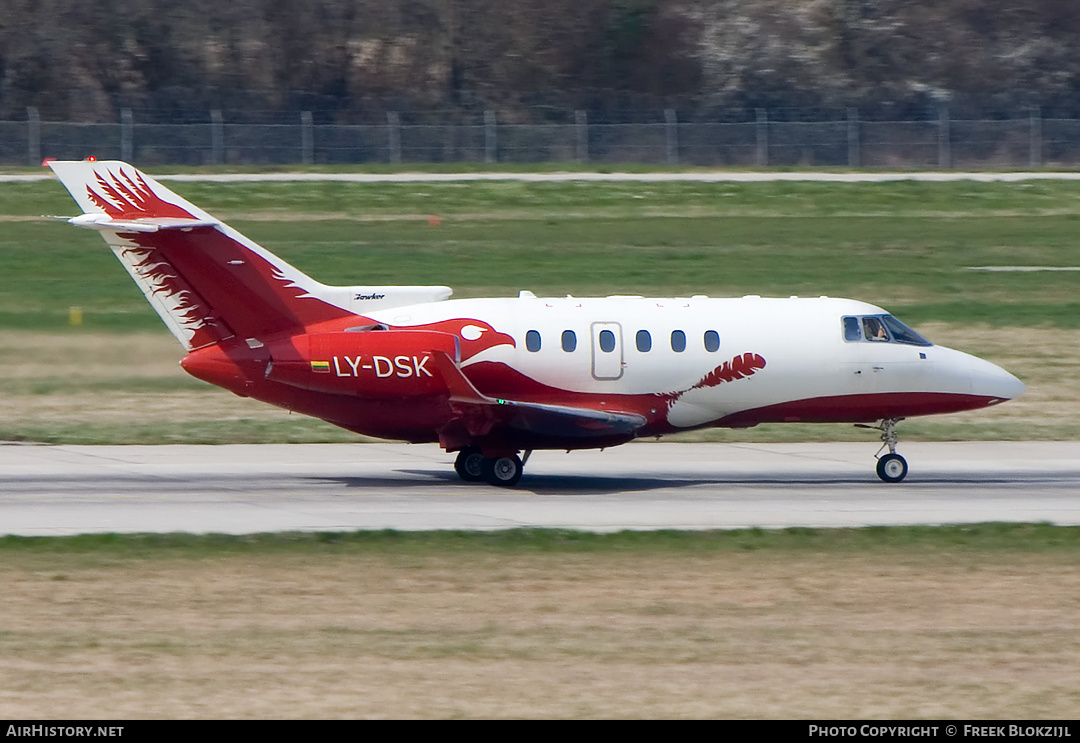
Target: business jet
494 378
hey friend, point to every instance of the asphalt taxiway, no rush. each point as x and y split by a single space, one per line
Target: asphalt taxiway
57 490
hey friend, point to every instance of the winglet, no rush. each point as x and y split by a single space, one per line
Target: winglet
461 389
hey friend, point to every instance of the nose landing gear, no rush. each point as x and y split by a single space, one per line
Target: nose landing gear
892 467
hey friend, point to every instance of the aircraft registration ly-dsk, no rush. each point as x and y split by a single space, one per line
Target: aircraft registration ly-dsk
492 378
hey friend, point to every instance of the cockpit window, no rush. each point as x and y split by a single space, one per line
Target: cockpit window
852 331
881 329
874 330
902 333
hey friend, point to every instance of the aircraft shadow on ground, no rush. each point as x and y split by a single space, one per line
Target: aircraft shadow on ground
555 484
551 484
538 484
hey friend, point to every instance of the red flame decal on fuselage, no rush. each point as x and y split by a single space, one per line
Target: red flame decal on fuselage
742 366
738 368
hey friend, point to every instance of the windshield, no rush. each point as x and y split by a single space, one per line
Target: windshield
902 333
881 329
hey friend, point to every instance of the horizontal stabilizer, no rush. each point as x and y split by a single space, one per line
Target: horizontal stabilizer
98 221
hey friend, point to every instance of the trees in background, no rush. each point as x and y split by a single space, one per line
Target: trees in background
350 58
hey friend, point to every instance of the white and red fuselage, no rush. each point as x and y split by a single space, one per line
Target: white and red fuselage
496 376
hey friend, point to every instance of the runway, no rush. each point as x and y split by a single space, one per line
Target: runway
63 490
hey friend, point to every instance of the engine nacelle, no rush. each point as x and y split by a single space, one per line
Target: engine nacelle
378 363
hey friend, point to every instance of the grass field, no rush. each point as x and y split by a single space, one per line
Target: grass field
975 622
908 246
972 622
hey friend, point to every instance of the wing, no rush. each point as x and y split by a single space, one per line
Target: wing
480 413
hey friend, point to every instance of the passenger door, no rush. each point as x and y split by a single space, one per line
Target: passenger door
607 350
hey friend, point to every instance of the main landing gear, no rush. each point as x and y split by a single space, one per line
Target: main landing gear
504 471
892 467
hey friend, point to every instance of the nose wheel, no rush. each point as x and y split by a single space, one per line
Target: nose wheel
892 467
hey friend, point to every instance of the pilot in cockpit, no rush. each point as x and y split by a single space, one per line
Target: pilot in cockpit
874 330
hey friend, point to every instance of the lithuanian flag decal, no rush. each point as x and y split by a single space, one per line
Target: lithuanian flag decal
322 367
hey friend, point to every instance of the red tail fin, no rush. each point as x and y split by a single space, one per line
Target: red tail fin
207 281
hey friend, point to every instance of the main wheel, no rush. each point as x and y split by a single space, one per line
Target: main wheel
502 471
892 468
470 464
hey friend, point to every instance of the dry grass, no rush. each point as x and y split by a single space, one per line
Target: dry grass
82 356
77 371
761 634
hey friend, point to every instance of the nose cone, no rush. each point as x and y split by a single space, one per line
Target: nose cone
991 381
986 383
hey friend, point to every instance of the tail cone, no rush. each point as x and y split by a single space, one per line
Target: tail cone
212 364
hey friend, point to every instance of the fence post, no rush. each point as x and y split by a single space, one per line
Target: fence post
393 136
217 138
490 143
307 138
581 127
853 138
671 132
762 138
127 135
944 155
33 136
1035 158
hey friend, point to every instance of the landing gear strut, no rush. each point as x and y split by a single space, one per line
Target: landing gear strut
892 467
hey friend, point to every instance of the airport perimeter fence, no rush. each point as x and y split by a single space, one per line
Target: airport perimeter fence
940 142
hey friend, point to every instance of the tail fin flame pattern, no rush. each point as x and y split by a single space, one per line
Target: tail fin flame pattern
206 281
125 196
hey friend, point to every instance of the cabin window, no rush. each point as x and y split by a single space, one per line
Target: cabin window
678 341
569 341
532 340
607 341
852 331
644 341
712 341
